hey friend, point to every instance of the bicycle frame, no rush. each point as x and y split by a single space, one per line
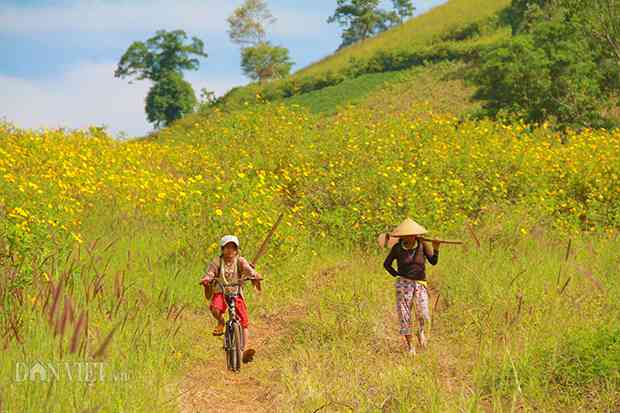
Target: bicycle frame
230 297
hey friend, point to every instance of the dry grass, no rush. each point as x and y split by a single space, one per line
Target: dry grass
433 89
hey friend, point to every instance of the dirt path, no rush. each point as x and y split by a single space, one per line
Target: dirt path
449 375
210 387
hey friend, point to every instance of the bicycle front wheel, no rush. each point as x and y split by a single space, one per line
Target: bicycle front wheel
234 348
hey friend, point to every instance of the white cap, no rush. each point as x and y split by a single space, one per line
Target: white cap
229 238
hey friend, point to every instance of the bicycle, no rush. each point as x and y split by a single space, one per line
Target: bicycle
234 340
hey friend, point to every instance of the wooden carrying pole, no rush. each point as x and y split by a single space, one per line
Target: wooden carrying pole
442 241
387 240
263 248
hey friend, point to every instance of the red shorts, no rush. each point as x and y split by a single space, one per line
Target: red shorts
219 303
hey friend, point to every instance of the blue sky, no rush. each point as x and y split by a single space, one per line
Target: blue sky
57 58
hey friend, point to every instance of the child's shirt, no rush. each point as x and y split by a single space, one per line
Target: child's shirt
231 273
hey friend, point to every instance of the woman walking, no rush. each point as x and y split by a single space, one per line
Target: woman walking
411 254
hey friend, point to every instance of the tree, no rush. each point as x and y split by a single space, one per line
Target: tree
264 61
362 19
162 59
561 64
525 13
248 22
403 9
163 53
603 17
359 18
170 99
260 60
550 73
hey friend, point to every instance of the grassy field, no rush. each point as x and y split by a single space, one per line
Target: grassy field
508 334
103 243
438 88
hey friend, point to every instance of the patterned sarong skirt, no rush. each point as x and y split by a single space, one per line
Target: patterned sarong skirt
408 293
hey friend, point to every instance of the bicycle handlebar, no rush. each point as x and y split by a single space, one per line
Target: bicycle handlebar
239 284
221 284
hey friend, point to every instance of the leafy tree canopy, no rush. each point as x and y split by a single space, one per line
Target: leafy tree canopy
264 61
248 22
260 60
164 53
170 99
525 13
558 67
361 19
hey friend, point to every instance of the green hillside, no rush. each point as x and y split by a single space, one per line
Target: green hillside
464 35
426 29
454 32
438 88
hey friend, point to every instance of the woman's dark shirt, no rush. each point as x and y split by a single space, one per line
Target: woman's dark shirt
410 262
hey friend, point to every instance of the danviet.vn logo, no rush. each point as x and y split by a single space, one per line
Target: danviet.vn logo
79 372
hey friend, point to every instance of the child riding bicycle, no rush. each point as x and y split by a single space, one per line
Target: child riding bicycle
230 268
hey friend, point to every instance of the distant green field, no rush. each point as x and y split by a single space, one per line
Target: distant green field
351 91
437 88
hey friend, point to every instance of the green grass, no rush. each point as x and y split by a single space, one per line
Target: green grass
144 346
419 31
495 306
512 312
157 270
436 88
350 91
338 348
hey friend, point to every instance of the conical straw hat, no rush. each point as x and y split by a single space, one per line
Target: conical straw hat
408 227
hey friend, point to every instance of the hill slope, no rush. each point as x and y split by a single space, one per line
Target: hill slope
454 32
422 30
118 234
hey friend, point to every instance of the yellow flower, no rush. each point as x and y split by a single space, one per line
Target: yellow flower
77 237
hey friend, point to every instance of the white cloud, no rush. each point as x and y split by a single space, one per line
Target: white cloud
196 16
106 16
86 95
